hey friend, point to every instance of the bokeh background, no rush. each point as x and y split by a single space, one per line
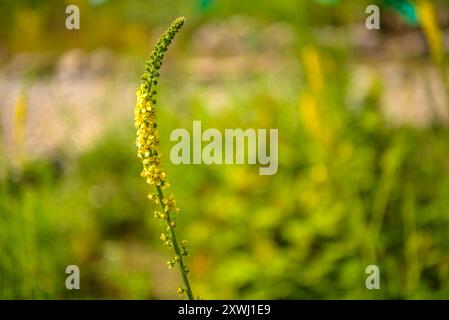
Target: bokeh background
363 149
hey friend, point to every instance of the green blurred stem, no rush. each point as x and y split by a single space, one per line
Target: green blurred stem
174 242
413 268
392 163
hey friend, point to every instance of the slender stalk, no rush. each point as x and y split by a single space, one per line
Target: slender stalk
175 244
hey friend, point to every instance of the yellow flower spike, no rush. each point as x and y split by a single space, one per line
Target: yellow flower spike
147 143
313 70
429 23
20 116
308 109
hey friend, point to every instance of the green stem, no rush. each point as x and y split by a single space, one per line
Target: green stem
174 242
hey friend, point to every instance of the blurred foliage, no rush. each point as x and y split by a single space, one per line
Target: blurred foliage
351 190
125 25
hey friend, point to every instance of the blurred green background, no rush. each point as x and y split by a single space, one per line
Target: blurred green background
363 149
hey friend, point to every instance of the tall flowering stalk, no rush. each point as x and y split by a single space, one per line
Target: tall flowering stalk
147 143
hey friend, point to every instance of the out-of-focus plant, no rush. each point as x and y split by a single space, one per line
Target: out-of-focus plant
431 29
20 115
148 151
433 34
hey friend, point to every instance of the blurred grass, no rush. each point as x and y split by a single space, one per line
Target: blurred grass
352 189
